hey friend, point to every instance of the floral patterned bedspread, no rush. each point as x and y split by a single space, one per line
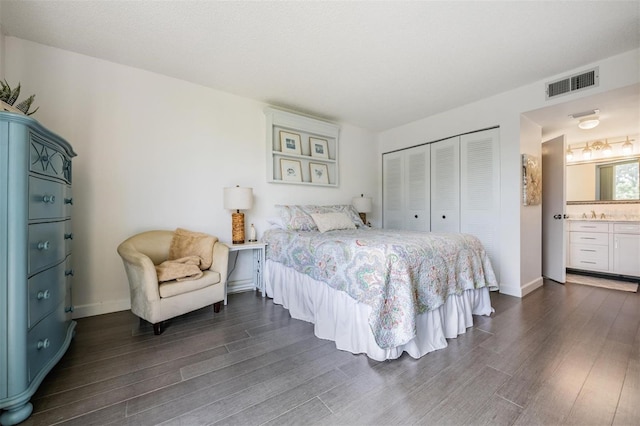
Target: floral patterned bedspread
399 274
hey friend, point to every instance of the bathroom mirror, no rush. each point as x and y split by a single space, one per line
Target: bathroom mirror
604 181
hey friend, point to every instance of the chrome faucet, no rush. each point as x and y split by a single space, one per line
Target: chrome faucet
593 214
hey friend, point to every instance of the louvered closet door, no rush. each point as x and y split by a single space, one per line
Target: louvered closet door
417 188
445 185
406 189
393 215
480 189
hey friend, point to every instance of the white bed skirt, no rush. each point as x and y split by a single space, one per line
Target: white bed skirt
342 319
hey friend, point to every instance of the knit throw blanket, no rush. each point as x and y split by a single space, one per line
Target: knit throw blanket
190 253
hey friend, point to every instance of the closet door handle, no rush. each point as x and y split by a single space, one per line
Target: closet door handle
416 216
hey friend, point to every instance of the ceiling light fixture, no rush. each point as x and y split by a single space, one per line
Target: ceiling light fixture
586 152
588 119
588 123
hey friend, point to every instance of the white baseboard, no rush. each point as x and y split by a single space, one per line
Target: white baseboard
531 285
239 286
82 311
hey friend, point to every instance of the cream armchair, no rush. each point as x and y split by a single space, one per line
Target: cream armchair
156 302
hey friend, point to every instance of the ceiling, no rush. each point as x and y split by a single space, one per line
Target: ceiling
376 65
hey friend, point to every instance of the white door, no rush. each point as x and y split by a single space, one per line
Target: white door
553 210
406 199
445 185
392 191
418 198
480 190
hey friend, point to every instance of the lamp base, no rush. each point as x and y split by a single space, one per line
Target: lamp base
237 228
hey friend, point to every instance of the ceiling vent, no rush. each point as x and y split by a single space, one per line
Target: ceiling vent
583 80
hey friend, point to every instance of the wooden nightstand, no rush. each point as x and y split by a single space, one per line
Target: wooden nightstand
259 253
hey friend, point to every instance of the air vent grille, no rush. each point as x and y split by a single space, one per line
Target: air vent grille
583 80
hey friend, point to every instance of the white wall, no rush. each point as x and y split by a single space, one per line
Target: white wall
504 110
155 153
530 216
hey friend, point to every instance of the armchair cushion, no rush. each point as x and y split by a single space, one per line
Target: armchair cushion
174 288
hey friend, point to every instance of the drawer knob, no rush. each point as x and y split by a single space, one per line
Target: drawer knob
43 245
68 201
46 294
43 344
68 236
48 199
444 217
68 309
68 272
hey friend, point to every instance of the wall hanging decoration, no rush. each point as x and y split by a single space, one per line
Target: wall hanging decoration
9 96
531 180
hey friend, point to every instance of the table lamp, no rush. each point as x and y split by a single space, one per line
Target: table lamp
363 205
237 198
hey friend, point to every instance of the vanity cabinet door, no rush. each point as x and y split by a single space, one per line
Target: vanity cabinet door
626 254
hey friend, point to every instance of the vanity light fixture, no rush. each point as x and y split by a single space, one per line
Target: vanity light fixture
586 152
627 147
569 153
597 145
606 148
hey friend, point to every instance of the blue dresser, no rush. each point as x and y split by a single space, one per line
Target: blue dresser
35 259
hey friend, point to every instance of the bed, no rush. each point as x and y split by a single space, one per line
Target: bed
373 291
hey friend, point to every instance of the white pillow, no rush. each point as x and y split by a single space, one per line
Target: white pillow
331 221
275 223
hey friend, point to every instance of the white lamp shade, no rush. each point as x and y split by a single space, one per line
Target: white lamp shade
362 204
237 198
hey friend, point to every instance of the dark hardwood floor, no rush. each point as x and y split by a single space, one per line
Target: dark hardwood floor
561 355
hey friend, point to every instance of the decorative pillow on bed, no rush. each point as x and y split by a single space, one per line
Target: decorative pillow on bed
298 217
350 211
347 209
295 218
332 221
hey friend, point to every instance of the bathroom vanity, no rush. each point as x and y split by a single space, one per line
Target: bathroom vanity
606 246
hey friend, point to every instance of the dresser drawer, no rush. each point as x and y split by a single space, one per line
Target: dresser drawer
626 228
45 340
46 291
589 238
587 256
48 199
48 161
46 245
588 226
